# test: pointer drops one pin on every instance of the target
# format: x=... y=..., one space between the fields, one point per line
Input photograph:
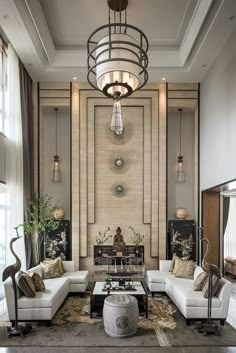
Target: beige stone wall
x=95 y=204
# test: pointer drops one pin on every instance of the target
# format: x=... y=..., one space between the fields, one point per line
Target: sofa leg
x=153 y=294
x=188 y=321
x=13 y=323
x=81 y=295
x=222 y=322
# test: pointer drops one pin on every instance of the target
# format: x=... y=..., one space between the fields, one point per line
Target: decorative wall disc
x=119 y=189
x=124 y=137
x=119 y=162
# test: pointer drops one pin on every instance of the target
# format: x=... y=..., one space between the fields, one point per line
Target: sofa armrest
x=165 y=265
x=224 y=294
x=69 y=266
x=10 y=299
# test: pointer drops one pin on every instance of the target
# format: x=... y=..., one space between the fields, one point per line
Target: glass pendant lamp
x=180 y=177
x=56 y=173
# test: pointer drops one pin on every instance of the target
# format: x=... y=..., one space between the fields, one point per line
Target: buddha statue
x=119 y=244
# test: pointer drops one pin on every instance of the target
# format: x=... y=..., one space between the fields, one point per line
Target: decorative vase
x=181 y=213
x=58 y=213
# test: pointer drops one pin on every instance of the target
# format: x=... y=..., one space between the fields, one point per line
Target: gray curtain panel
x=28 y=150
x=226 y=204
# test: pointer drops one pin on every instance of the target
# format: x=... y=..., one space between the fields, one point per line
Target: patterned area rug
x=77 y=309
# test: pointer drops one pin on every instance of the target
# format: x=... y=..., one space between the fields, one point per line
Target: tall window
x=3 y=216
x=3 y=189
x=4 y=125
x=230 y=232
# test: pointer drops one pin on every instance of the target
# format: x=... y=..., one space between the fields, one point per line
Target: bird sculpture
x=209 y=268
x=10 y=271
x=212 y=270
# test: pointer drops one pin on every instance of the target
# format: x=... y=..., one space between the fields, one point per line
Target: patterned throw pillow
x=200 y=281
x=215 y=286
x=172 y=265
x=51 y=268
x=60 y=263
x=184 y=269
x=38 y=281
x=25 y=284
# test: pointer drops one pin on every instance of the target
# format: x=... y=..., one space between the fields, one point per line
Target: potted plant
x=102 y=238
x=39 y=222
x=137 y=238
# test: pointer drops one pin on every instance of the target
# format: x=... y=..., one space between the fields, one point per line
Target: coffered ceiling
x=185 y=36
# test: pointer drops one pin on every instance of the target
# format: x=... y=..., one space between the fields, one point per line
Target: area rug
x=76 y=309
x=69 y=330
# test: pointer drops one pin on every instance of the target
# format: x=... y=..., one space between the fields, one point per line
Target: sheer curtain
x=230 y=232
x=14 y=159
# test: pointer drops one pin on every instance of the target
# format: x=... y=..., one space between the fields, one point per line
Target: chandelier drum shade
x=117 y=55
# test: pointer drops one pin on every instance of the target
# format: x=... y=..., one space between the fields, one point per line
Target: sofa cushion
x=231 y=260
x=26 y=285
x=51 y=268
x=77 y=277
x=38 y=281
x=172 y=265
x=215 y=286
x=185 y=295
x=184 y=269
x=200 y=281
x=54 y=287
x=154 y=276
x=37 y=269
x=197 y=271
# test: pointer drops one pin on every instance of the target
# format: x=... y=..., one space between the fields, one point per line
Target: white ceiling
x=185 y=36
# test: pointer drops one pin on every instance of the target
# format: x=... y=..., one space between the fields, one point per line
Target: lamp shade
x=114 y=73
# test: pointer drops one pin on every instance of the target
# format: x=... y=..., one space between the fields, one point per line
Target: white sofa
x=191 y=304
x=45 y=304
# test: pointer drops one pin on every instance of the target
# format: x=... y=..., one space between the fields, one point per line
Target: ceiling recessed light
x=163 y=78
x=204 y=65
x=74 y=78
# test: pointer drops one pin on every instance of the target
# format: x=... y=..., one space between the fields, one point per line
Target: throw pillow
x=25 y=284
x=215 y=286
x=200 y=281
x=60 y=263
x=51 y=268
x=38 y=281
x=184 y=269
x=172 y=265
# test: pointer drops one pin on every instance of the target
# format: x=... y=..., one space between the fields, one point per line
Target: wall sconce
x=56 y=173
x=180 y=177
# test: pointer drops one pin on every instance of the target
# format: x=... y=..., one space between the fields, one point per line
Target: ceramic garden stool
x=120 y=315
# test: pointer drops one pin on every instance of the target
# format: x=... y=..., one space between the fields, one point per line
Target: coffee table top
x=98 y=289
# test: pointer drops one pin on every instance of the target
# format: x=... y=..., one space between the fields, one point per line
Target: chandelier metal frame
x=138 y=50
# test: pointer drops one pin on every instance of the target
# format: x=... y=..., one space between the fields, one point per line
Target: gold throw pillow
x=200 y=281
x=172 y=265
x=184 y=269
x=51 y=269
x=38 y=281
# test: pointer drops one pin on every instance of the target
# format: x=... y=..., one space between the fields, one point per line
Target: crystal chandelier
x=117 y=59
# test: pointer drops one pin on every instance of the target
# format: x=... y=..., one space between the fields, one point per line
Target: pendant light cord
x=180 y=129
x=56 y=109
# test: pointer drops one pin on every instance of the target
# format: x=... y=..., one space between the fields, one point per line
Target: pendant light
x=56 y=174
x=117 y=59
x=180 y=159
